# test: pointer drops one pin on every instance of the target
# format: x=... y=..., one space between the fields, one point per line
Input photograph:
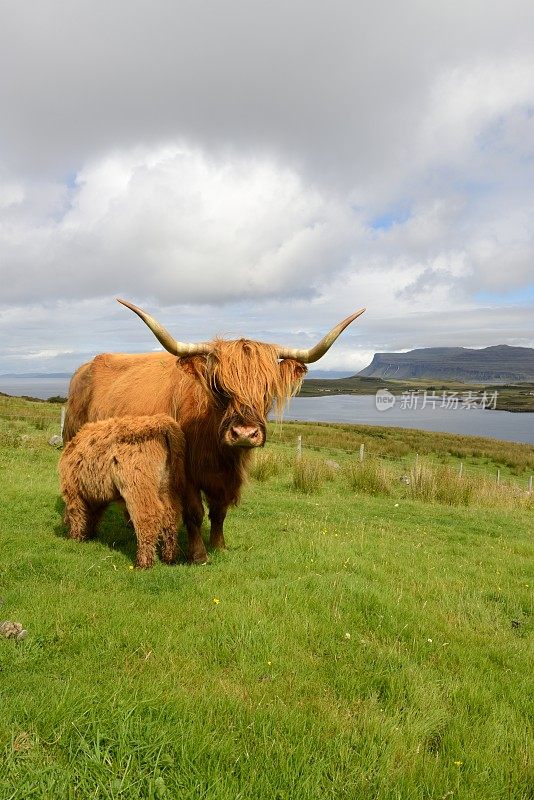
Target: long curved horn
x=163 y=335
x=309 y=356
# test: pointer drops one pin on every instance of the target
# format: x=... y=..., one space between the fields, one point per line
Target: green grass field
x=347 y=645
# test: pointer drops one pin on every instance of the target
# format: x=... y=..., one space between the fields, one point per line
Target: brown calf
x=139 y=460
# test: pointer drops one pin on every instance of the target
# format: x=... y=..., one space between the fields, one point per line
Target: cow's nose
x=245 y=434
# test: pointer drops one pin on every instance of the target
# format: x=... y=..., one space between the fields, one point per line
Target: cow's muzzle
x=245 y=436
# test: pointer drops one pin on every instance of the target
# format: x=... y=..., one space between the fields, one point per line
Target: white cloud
x=172 y=223
x=11 y=194
x=45 y=354
x=466 y=101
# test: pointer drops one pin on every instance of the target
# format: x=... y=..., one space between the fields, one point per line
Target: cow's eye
x=220 y=395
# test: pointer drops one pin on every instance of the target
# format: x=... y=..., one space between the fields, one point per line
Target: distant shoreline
x=53 y=399
x=35 y=388
x=515 y=398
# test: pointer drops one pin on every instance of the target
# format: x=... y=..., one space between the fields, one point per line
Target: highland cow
x=137 y=460
x=220 y=392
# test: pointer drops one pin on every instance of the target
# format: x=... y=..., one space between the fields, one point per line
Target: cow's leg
x=217 y=514
x=193 y=516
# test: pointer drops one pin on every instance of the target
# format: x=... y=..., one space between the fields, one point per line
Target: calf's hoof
x=169 y=559
x=143 y=564
x=78 y=537
x=169 y=555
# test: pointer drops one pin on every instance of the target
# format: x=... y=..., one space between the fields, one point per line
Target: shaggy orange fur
x=235 y=384
x=139 y=460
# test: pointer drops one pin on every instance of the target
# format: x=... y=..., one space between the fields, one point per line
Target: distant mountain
x=498 y=364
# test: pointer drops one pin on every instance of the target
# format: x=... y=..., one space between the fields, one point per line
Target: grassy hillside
x=347 y=645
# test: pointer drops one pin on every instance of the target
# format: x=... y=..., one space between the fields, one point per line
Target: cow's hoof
x=199 y=560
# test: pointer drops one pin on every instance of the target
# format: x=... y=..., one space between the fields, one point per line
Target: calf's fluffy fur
x=139 y=460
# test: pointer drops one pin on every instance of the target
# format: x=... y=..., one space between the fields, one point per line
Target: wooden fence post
x=362 y=452
x=530 y=485
x=416 y=460
x=62 y=424
x=498 y=476
x=299 y=447
x=460 y=471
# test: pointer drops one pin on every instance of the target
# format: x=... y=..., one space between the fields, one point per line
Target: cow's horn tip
x=125 y=303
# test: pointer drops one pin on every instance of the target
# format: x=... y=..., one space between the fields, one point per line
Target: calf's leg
x=147 y=530
x=146 y=512
x=81 y=518
x=170 y=523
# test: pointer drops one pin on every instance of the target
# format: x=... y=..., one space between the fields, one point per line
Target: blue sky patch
x=514 y=296
x=70 y=180
x=385 y=221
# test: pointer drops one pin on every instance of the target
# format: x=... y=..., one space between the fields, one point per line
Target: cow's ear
x=292 y=371
x=195 y=366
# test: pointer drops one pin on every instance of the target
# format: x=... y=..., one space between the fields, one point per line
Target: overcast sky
x=263 y=169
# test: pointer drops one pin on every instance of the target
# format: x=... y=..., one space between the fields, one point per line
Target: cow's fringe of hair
x=292 y=373
x=251 y=375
